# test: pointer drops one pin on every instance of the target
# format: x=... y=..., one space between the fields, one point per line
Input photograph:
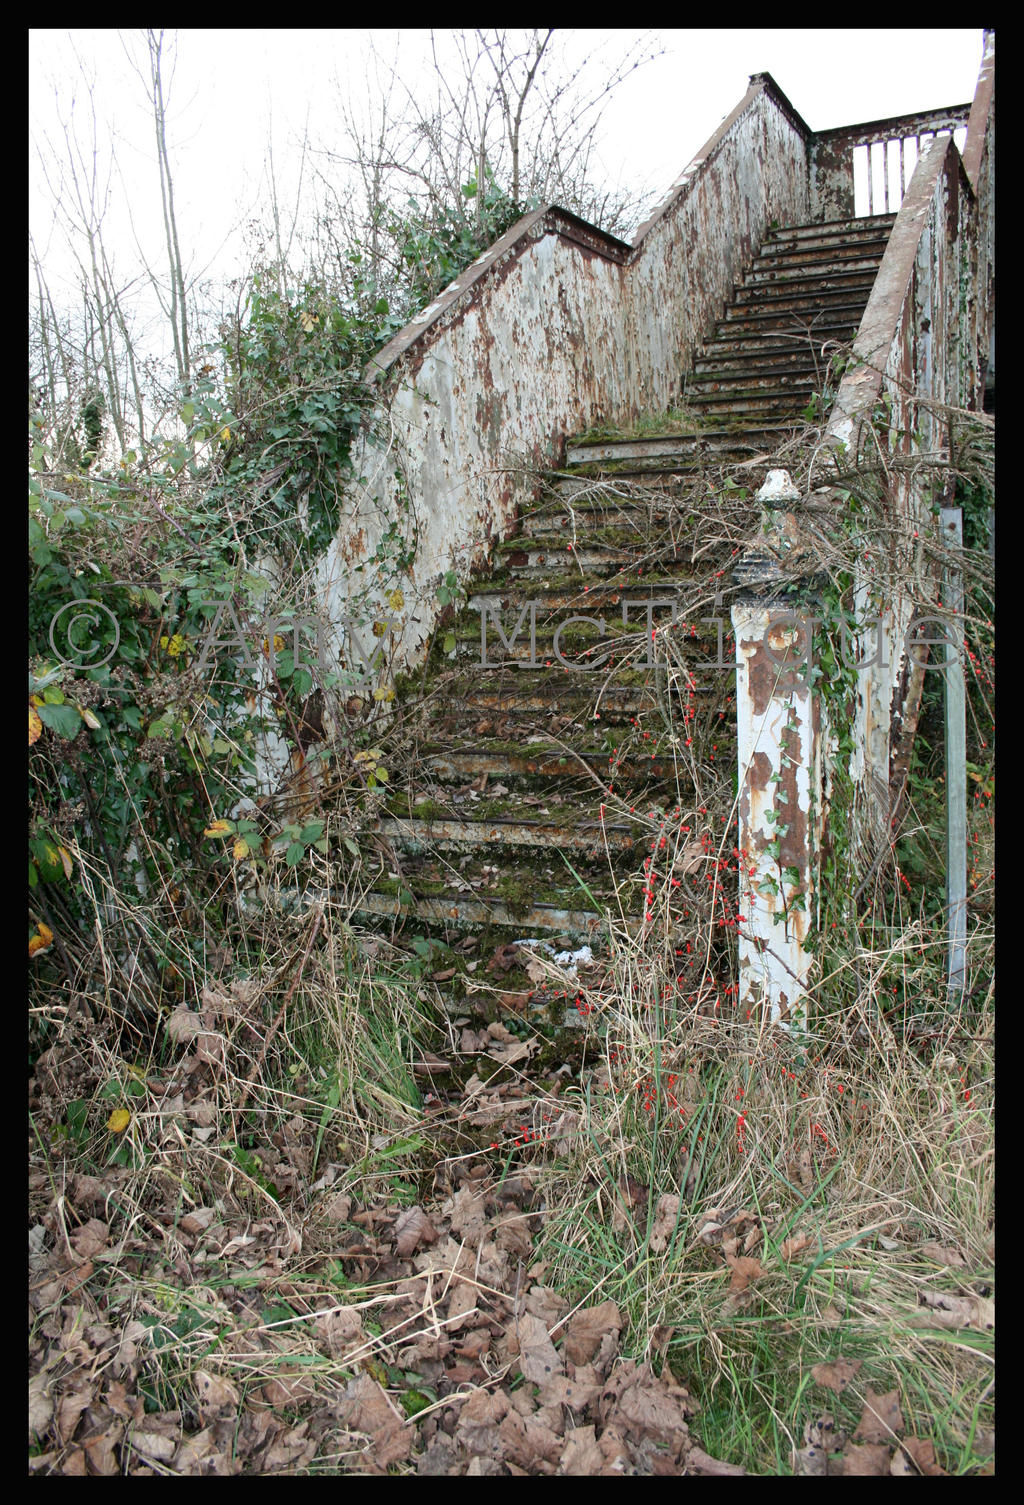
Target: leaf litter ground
x=188 y=1316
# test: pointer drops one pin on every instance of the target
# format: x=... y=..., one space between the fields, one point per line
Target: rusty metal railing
x=897 y=157
x=866 y=169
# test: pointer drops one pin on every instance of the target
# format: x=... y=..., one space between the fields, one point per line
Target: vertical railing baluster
x=871 y=195
x=956 y=755
x=885 y=178
x=903 y=172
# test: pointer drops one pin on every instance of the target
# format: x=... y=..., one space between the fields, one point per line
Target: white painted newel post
x=778 y=752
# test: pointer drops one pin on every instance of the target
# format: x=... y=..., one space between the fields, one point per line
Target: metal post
x=956 y=757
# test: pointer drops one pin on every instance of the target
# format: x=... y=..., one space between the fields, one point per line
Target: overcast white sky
x=231 y=88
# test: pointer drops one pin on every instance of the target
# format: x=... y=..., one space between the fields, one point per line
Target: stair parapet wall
x=922 y=345
x=980 y=165
x=557 y=327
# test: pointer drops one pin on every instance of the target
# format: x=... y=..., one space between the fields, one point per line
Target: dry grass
x=860 y=1179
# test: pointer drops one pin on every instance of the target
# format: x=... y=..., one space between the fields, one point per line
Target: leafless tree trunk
x=178 y=309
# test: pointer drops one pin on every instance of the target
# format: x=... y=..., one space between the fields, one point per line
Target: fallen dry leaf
x=744 y=1269
x=91 y=1238
x=538 y=1358
x=811 y=1462
x=942 y=1256
x=956 y=1311
x=586 y=1329
x=881 y=1417
x=546 y=1304
x=795 y=1245
x=866 y=1459
x=836 y=1374
x=699 y=1462
x=184 y=1025
x=288 y=1389
x=153 y=1444
x=412 y=1228
x=214 y=1393
x=915 y=1455
x=581 y=1454
x=40 y=1404
x=666 y=1221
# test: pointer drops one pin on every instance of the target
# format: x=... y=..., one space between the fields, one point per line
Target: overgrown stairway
x=538 y=790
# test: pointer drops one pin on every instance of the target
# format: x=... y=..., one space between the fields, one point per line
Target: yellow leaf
x=42 y=939
x=218 y=828
x=35 y=726
x=66 y=862
x=119 y=1120
x=396 y=600
x=379 y=629
x=384 y=692
x=381 y=774
x=225 y=435
x=173 y=646
x=90 y=718
x=240 y=850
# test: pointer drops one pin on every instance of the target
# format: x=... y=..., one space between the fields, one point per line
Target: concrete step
x=747 y=378
x=830 y=232
x=732 y=342
x=807 y=288
x=785 y=258
x=796 y=316
x=665 y=450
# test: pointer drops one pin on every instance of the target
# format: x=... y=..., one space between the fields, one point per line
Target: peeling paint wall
x=980 y=166
x=556 y=328
x=924 y=335
x=692 y=253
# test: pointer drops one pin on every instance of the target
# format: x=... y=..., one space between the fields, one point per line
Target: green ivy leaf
x=62 y=719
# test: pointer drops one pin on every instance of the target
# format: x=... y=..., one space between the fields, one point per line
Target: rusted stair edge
x=457 y=910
